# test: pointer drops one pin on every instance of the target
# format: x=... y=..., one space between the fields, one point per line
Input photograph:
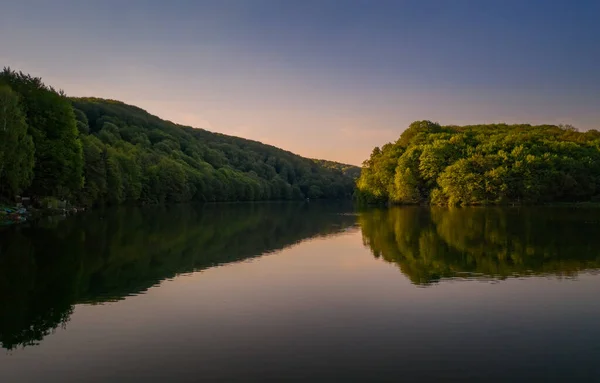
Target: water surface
x=303 y=292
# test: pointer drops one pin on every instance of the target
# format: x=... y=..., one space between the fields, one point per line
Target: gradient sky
x=321 y=78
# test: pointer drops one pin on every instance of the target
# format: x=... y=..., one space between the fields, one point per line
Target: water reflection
x=429 y=245
x=106 y=255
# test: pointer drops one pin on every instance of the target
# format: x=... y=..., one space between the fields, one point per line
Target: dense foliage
x=432 y=244
x=51 y=124
x=483 y=164
x=16 y=146
x=106 y=255
x=94 y=151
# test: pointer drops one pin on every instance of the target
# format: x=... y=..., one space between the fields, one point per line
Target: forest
x=92 y=151
x=483 y=165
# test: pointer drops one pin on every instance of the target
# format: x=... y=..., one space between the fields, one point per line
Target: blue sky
x=326 y=79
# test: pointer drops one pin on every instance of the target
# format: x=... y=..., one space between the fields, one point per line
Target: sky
x=321 y=78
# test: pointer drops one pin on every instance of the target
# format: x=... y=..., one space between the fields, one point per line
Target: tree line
x=483 y=164
x=93 y=151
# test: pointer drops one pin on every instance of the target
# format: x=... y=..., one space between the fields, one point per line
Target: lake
x=302 y=292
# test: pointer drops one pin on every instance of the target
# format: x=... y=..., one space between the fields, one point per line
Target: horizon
x=313 y=78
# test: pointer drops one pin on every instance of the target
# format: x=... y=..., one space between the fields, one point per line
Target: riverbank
x=586 y=204
x=11 y=215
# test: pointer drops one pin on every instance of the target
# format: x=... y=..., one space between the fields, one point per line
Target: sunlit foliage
x=483 y=164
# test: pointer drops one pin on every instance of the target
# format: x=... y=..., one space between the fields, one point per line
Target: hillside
x=483 y=164
x=97 y=151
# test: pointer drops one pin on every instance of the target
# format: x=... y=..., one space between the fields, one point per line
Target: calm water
x=307 y=292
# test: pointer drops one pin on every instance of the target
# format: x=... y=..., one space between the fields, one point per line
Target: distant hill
x=95 y=151
x=348 y=170
x=218 y=167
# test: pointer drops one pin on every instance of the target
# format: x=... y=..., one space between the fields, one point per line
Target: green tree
x=483 y=164
x=95 y=186
x=100 y=151
x=16 y=146
x=58 y=166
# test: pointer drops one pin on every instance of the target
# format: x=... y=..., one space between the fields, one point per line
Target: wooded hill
x=483 y=164
x=94 y=151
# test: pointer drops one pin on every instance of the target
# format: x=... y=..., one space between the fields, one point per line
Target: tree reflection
x=107 y=255
x=432 y=244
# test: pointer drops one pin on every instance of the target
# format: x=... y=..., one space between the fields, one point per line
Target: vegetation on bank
x=483 y=164
x=92 y=151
